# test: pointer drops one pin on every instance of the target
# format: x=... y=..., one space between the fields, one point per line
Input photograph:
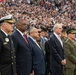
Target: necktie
x=60 y=41
x=25 y=38
x=37 y=44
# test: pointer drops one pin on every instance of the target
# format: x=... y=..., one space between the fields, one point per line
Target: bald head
x=20 y=22
x=21 y=25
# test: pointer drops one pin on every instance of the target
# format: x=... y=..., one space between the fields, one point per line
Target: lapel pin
x=7 y=39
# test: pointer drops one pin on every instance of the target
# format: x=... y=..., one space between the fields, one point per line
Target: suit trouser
x=56 y=71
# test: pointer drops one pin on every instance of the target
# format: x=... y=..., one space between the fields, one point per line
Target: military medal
x=6 y=39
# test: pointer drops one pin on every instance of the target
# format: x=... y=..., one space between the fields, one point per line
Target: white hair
x=57 y=25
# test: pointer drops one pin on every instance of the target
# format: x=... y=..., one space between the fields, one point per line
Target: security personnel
x=70 y=53
x=7 y=52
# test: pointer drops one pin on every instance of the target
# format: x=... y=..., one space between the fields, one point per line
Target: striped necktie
x=60 y=41
x=37 y=44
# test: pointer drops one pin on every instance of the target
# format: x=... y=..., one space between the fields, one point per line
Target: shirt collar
x=4 y=32
x=20 y=32
x=56 y=35
x=32 y=38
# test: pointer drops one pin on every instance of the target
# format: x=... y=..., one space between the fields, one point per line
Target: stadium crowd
x=42 y=13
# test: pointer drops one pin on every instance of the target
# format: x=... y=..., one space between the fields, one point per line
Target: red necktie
x=25 y=38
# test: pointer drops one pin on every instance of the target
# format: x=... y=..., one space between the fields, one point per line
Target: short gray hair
x=57 y=25
x=31 y=29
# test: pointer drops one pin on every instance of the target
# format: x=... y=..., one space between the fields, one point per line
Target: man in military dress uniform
x=7 y=52
x=70 y=53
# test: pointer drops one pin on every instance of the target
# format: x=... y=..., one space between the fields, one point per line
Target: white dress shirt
x=58 y=37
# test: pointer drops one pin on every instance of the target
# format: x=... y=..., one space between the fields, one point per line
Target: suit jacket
x=56 y=52
x=23 y=54
x=7 y=55
x=70 y=52
x=47 y=56
x=38 y=58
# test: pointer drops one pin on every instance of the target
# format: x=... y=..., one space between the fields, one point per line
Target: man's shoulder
x=1 y=32
x=14 y=33
x=47 y=42
x=52 y=36
x=68 y=41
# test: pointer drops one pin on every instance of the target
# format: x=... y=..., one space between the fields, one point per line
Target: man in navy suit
x=56 y=51
x=37 y=54
x=23 y=50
